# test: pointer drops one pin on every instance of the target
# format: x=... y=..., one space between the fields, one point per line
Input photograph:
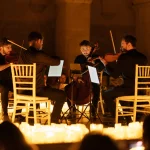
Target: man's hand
x=103 y=60
x=90 y=60
x=80 y=81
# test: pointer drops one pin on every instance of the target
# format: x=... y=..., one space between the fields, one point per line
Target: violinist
x=86 y=59
x=5 y=76
x=35 y=54
x=125 y=67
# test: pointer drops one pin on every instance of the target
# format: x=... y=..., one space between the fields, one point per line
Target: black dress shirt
x=125 y=66
x=6 y=73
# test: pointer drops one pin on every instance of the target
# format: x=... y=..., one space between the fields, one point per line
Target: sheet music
x=56 y=71
x=93 y=74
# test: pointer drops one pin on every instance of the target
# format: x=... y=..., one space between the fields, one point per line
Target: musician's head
x=35 y=39
x=128 y=42
x=5 y=46
x=85 y=47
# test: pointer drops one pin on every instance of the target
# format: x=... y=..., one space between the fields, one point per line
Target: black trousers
x=5 y=87
x=56 y=95
x=95 y=99
x=110 y=95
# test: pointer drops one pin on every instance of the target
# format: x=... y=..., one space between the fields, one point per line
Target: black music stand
x=94 y=79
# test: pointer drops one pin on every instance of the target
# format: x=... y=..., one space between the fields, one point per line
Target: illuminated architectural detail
x=72 y=26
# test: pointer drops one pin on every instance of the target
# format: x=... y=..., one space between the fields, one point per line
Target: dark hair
x=34 y=36
x=4 y=41
x=85 y=43
x=12 y=138
x=130 y=39
x=94 y=140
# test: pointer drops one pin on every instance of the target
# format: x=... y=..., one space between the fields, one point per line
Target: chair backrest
x=142 y=80
x=24 y=78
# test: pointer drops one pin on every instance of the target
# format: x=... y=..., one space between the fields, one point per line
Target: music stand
x=75 y=69
x=56 y=71
x=94 y=79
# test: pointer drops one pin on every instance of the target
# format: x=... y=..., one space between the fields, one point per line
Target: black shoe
x=122 y=120
x=31 y=121
x=128 y=118
x=20 y=118
x=93 y=118
x=55 y=121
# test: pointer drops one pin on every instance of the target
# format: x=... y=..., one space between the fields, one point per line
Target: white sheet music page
x=56 y=71
x=93 y=74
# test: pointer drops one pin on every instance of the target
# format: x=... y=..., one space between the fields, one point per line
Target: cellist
x=85 y=59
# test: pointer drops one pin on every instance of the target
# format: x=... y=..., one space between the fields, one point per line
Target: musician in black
x=5 y=76
x=125 y=67
x=84 y=60
x=34 y=54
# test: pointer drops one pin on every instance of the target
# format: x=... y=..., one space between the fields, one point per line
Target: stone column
x=72 y=26
x=142 y=9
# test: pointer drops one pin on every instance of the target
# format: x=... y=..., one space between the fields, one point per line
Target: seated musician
x=5 y=76
x=56 y=82
x=81 y=87
x=125 y=67
x=35 y=54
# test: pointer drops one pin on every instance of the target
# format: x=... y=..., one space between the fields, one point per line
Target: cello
x=79 y=89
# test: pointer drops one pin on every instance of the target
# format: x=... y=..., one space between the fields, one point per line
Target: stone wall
x=117 y=16
x=19 y=17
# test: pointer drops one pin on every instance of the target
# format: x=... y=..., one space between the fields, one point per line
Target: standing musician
x=5 y=76
x=125 y=67
x=86 y=59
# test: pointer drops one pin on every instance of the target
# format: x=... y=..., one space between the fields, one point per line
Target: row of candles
x=62 y=133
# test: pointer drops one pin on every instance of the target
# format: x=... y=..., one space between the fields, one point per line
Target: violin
x=109 y=57
x=12 y=57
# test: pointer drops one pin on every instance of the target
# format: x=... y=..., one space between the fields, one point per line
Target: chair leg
x=134 y=110
x=14 y=112
x=27 y=112
x=34 y=113
x=101 y=103
x=49 y=117
x=116 y=118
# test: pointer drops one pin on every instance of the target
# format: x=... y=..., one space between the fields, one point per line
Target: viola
x=109 y=57
x=112 y=57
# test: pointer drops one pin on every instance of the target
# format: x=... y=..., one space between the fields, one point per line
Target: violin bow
x=112 y=40
x=16 y=44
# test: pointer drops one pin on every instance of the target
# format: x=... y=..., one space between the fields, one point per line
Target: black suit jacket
x=42 y=60
x=125 y=66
